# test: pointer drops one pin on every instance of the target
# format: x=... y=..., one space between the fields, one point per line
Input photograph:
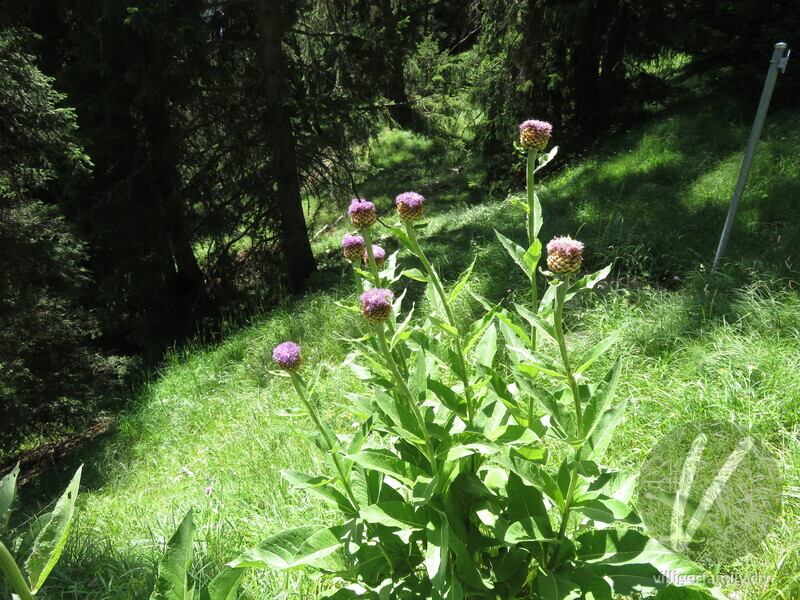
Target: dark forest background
x=157 y=158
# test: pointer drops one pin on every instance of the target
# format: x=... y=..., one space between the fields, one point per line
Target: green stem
x=373 y=266
x=437 y=284
x=529 y=172
x=562 y=530
x=10 y=569
x=299 y=386
x=412 y=402
x=357 y=277
x=561 y=295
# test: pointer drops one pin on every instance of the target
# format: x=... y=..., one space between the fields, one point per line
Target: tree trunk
x=272 y=25
x=395 y=79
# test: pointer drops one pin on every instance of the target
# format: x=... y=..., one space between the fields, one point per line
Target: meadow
x=213 y=427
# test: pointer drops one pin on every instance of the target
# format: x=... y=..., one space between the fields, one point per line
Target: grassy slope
x=207 y=432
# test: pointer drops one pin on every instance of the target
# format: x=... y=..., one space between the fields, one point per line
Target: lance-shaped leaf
x=599 y=421
x=541 y=324
x=8 y=490
x=487 y=347
x=516 y=252
x=595 y=352
x=437 y=552
x=462 y=281
x=49 y=544
x=321 y=486
x=225 y=585
x=309 y=546
x=401 y=515
x=173 y=581
x=387 y=462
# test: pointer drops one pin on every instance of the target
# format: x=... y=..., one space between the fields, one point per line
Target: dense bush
x=48 y=366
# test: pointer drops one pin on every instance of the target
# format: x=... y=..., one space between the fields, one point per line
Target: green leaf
x=387 y=462
x=516 y=252
x=415 y=274
x=595 y=352
x=533 y=254
x=8 y=490
x=542 y=362
x=588 y=282
x=321 y=486
x=478 y=327
x=598 y=425
x=462 y=281
x=50 y=542
x=225 y=585
x=546 y=158
x=535 y=476
x=308 y=546
x=487 y=347
x=437 y=552
x=395 y=514
x=606 y=510
x=554 y=586
x=628 y=546
x=173 y=581
x=541 y=324
x=526 y=512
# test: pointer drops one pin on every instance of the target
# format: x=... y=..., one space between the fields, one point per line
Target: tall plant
x=446 y=490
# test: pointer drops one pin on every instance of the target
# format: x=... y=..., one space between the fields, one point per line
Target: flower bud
x=362 y=213
x=287 y=355
x=534 y=135
x=409 y=206
x=376 y=305
x=353 y=246
x=379 y=254
x=564 y=255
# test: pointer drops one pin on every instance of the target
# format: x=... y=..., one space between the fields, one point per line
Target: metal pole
x=779 y=59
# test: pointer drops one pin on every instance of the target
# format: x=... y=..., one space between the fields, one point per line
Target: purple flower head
x=537 y=126
x=565 y=246
x=362 y=213
x=376 y=305
x=564 y=255
x=534 y=135
x=353 y=246
x=379 y=254
x=287 y=355
x=409 y=206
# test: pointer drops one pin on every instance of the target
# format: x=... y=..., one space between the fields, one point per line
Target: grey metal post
x=779 y=59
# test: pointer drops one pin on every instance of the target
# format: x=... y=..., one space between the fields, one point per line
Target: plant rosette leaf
x=8 y=491
x=173 y=582
x=308 y=546
x=49 y=544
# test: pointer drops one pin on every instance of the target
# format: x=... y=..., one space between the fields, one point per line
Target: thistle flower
x=379 y=254
x=409 y=206
x=376 y=305
x=353 y=246
x=287 y=355
x=362 y=213
x=564 y=255
x=534 y=135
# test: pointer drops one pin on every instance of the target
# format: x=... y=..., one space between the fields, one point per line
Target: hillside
x=213 y=428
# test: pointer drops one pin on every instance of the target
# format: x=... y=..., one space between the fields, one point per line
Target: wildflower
x=409 y=206
x=564 y=255
x=362 y=213
x=376 y=305
x=379 y=254
x=534 y=135
x=353 y=246
x=287 y=355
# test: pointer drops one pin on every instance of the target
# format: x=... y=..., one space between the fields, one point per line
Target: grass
x=210 y=432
